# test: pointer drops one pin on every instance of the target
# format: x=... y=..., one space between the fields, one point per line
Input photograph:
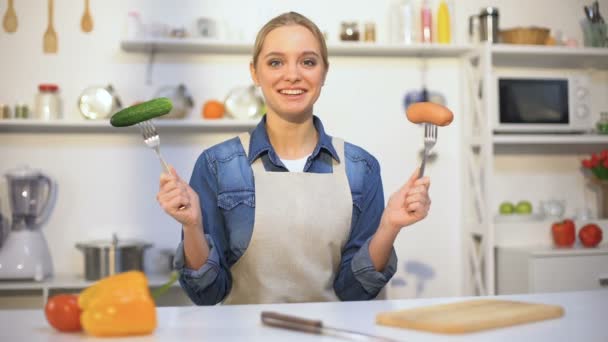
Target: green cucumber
x=141 y=112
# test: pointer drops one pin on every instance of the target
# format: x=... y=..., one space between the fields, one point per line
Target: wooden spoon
x=10 y=18
x=86 y=23
x=50 y=37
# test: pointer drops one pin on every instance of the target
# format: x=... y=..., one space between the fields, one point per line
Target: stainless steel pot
x=104 y=258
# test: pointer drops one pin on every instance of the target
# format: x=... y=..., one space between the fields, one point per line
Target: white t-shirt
x=295 y=165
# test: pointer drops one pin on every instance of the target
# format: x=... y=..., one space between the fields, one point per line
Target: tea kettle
x=181 y=99
x=98 y=102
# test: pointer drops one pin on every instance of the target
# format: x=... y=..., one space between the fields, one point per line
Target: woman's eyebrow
x=276 y=53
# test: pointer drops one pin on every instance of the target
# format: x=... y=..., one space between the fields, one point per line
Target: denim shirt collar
x=260 y=143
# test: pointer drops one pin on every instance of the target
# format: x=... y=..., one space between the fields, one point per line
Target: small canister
x=22 y=111
x=349 y=31
x=369 y=34
x=5 y=111
x=488 y=25
x=47 y=103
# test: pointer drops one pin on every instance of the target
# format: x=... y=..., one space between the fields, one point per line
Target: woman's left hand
x=409 y=204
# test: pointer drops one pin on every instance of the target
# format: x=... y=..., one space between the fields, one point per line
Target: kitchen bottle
x=443 y=23
x=427 y=22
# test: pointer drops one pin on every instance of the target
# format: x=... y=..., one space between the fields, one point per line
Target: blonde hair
x=286 y=19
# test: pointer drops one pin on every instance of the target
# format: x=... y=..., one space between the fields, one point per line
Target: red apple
x=564 y=233
x=590 y=235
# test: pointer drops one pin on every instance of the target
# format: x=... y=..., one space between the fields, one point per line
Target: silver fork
x=430 y=138
x=152 y=140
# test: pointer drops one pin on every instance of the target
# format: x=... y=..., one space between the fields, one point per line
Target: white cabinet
x=495 y=164
x=546 y=269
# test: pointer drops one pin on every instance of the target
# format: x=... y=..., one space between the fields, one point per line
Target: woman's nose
x=292 y=73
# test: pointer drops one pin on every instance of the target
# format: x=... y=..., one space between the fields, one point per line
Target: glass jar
x=370 y=32
x=602 y=124
x=350 y=31
x=48 y=103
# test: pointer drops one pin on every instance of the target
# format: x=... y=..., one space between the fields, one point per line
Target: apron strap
x=245 y=138
x=245 y=141
x=339 y=146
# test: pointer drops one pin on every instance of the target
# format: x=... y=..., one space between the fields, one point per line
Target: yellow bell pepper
x=119 y=305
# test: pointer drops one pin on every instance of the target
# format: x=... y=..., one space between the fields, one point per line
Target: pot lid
x=114 y=243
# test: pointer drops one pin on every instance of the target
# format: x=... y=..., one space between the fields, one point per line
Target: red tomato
x=564 y=233
x=62 y=312
x=590 y=235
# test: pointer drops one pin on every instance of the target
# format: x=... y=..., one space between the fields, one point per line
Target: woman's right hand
x=179 y=200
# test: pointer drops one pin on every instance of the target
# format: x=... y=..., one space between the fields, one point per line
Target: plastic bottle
x=407 y=19
x=394 y=23
x=134 y=25
x=427 y=22
x=443 y=24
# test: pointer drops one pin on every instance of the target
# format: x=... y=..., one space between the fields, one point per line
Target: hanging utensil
x=50 y=36
x=86 y=23
x=10 y=18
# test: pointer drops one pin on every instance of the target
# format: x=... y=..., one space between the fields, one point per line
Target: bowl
x=525 y=35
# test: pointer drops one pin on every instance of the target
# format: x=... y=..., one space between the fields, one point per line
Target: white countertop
x=585 y=319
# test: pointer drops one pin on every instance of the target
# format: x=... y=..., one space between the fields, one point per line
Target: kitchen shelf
x=537 y=233
x=70 y=282
x=550 y=251
x=353 y=49
x=550 y=139
x=103 y=126
x=549 y=56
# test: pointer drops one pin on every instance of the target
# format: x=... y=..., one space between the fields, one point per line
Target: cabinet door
x=569 y=273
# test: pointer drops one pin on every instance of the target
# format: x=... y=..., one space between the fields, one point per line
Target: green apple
x=523 y=207
x=506 y=208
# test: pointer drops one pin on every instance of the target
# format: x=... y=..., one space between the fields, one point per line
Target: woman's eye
x=274 y=63
x=310 y=62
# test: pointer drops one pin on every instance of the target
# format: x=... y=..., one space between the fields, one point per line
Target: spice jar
x=5 y=111
x=48 y=103
x=22 y=111
x=602 y=124
x=350 y=31
x=369 y=35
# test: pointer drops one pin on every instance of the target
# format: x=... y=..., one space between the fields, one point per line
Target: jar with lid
x=370 y=32
x=602 y=124
x=349 y=31
x=48 y=103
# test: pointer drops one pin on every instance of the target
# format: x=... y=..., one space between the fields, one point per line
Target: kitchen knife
x=278 y=320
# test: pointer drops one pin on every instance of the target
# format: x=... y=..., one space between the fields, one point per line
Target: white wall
x=107 y=182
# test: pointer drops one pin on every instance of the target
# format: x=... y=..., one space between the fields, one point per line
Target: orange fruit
x=213 y=109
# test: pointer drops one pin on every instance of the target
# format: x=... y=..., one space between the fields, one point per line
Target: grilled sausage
x=428 y=112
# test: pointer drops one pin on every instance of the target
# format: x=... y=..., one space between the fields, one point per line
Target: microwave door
x=532 y=105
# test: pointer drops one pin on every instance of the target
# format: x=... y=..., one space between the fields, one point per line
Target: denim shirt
x=223 y=179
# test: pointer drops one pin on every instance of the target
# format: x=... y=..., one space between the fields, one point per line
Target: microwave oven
x=529 y=103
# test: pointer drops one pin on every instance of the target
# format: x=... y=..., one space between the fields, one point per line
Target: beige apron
x=302 y=221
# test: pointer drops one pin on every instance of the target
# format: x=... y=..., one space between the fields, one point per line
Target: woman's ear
x=254 y=75
x=325 y=75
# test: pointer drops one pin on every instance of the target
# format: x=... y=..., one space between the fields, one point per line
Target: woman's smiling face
x=290 y=71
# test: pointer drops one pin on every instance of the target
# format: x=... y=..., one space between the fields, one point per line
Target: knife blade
x=279 y=320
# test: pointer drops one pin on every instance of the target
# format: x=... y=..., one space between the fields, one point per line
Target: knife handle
x=278 y=320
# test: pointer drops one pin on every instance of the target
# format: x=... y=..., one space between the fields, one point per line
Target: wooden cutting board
x=469 y=316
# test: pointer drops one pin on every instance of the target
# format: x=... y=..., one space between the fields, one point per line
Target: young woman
x=288 y=213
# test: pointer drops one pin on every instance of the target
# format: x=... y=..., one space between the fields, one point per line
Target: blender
x=24 y=253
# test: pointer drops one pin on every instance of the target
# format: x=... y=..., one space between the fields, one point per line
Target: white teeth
x=292 y=91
